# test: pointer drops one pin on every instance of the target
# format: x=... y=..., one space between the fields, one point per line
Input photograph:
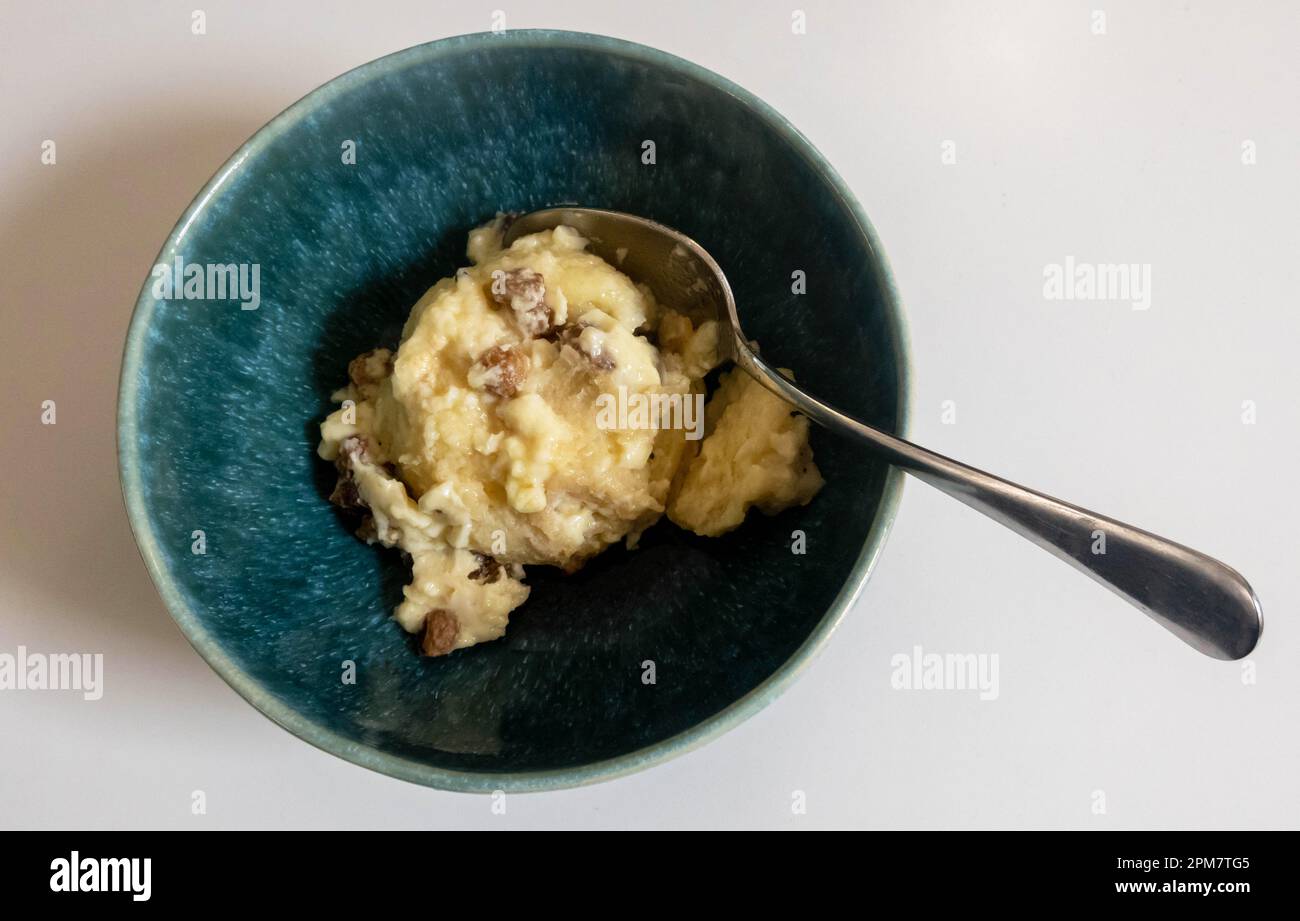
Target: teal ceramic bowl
x=219 y=406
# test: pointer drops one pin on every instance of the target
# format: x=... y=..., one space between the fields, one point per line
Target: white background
x=1122 y=147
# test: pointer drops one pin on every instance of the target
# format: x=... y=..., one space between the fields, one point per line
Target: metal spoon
x=1200 y=600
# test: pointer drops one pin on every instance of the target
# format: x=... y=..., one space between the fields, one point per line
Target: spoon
x=1201 y=601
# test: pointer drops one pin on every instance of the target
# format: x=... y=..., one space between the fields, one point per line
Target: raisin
x=367 y=370
x=488 y=571
x=345 y=494
x=440 y=631
x=518 y=289
x=536 y=321
x=572 y=335
x=600 y=360
x=499 y=370
x=524 y=292
x=353 y=448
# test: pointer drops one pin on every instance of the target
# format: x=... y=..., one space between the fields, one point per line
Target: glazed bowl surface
x=641 y=655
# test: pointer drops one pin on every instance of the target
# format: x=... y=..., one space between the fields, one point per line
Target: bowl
x=642 y=655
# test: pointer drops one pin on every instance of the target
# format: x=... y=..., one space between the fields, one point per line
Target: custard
x=540 y=407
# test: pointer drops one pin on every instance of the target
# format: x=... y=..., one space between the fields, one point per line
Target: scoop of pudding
x=540 y=407
x=756 y=455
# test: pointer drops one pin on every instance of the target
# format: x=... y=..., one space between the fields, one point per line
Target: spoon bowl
x=1202 y=601
x=650 y=253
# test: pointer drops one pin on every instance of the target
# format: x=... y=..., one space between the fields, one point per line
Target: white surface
x=1124 y=147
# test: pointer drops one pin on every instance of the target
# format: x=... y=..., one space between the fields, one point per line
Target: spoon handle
x=1203 y=602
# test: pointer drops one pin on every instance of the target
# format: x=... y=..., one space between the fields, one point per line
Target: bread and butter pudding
x=540 y=407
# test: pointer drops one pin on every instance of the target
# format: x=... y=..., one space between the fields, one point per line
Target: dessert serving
x=540 y=407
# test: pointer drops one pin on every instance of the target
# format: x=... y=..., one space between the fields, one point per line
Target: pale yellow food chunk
x=540 y=407
x=755 y=455
x=533 y=469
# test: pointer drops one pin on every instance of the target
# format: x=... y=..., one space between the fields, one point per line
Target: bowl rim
x=128 y=443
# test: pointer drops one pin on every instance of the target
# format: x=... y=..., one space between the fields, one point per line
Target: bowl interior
x=220 y=406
